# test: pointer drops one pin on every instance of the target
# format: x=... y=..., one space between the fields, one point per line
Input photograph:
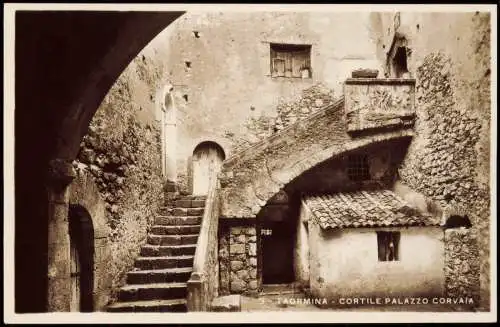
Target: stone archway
x=56 y=97
x=250 y=179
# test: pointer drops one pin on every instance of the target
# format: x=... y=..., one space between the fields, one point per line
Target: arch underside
x=65 y=63
x=247 y=194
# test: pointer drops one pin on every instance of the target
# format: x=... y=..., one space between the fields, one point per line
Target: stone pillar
x=60 y=175
x=243 y=260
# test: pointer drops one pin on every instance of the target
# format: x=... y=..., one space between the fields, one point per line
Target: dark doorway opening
x=277 y=234
x=81 y=234
x=400 y=62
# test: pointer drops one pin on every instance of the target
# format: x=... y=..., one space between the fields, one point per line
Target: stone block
x=235 y=231
x=238 y=286
x=253 y=262
x=242 y=274
x=241 y=239
x=252 y=285
x=228 y=303
x=237 y=248
x=236 y=265
x=251 y=231
x=252 y=249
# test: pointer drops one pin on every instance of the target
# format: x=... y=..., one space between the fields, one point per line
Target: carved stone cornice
x=60 y=173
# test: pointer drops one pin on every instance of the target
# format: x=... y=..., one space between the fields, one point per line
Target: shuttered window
x=358 y=168
x=290 y=60
x=388 y=246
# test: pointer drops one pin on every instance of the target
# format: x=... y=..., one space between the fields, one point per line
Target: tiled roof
x=374 y=208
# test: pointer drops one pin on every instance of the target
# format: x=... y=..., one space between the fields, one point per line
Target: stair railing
x=203 y=283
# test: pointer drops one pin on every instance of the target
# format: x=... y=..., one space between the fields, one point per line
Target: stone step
x=175 y=229
x=172 y=239
x=169 y=211
x=147 y=263
x=159 y=275
x=193 y=197
x=167 y=250
x=188 y=203
x=178 y=220
x=186 y=211
x=155 y=291
x=175 y=305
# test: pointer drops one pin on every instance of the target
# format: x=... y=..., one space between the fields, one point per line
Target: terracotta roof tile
x=365 y=208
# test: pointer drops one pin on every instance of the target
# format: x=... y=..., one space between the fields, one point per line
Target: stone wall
x=461 y=264
x=449 y=158
x=310 y=100
x=288 y=112
x=238 y=260
x=122 y=153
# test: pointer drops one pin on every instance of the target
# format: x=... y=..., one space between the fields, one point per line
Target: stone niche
x=372 y=103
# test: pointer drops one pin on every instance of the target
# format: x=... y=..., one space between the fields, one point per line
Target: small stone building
x=368 y=243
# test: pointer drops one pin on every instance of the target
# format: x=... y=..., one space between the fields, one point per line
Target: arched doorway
x=81 y=234
x=207 y=161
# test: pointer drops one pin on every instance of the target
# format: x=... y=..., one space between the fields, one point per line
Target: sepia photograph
x=249 y=163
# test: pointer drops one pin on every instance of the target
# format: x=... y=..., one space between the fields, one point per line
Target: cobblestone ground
x=296 y=302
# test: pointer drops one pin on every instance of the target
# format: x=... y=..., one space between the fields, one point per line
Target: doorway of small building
x=277 y=240
x=81 y=234
x=207 y=161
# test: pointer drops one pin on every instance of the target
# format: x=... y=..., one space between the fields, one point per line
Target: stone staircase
x=158 y=282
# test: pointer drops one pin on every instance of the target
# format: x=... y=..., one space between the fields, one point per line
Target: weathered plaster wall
x=122 y=153
x=462 y=263
x=221 y=73
x=449 y=159
x=345 y=263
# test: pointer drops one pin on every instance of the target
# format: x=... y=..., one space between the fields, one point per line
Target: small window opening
x=290 y=60
x=388 y=246
x=185 y=96
x=358 y=168
x=456 y=221
x=188 y=64
x=196 y=34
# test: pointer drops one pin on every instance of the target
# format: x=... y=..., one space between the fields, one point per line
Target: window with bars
x=388 y=246
x=290 y=60
x=358 y=168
